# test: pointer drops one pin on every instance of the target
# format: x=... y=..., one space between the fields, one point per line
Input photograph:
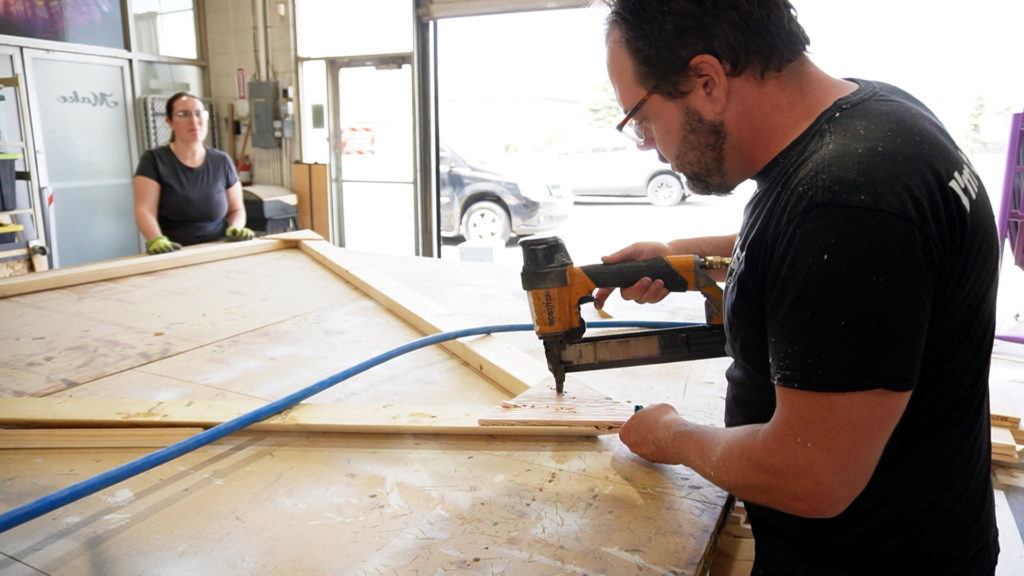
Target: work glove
x=236 y=234
x=161 y=245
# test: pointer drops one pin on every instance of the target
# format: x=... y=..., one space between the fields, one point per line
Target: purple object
x=1011 y=217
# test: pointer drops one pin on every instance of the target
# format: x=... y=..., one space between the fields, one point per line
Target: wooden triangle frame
x=533 y=407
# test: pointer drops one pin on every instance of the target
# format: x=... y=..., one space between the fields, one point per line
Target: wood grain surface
x=312 y=496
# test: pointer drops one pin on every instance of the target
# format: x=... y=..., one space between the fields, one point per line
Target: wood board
x=542 y=406
x=290 y=504
x=244 y=329
x=550 y=419
x=20 y=439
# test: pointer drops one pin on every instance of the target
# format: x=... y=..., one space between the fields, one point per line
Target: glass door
x=373 y=146
x=85 y=142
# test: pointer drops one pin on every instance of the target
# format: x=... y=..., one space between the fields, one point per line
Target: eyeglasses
x=192 y=114
x=631 y=128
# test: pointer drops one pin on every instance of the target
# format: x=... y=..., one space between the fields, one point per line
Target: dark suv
x=480 y=204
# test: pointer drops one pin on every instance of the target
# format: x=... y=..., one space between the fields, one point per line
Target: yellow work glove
x=236 y=234
x=161 y=245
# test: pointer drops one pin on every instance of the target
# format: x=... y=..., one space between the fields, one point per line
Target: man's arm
x=811 y=459
x=704 y=246
x=648 y=291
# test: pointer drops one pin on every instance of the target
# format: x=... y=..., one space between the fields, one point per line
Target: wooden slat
x=34 y=438
x=339 y=418
x=1004 y=416
x=1018 y=435
x=318 y=199
x=1003 y=442
x=578 y=405
x=131 y=265
x=300 y=185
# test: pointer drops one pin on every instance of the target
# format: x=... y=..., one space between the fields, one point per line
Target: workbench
x=388 y=472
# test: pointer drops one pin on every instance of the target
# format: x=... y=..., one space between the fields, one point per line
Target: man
x=859 y=303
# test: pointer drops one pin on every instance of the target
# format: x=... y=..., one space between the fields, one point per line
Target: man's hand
x=648 y=433
x=645 y=291
x=236 y=234
x=161 y=245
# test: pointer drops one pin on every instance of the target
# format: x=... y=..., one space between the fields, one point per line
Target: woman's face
x=188 y=120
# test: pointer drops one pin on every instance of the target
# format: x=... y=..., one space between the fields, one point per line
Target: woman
x=187 y=192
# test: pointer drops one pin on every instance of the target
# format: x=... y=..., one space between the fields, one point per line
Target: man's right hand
x=161 y=245
x=645 y=291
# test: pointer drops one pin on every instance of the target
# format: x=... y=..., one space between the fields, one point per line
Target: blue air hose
x=20 y=515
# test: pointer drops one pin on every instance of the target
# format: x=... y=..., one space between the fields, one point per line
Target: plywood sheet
x=294 y=504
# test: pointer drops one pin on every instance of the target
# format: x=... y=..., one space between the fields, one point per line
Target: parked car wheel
x=665 y=190
x=486 y=220
x=476 y=202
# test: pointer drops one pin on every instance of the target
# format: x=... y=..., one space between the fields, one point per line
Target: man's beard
x=703 y=161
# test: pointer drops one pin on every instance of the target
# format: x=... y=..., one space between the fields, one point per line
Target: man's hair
x=662 y=36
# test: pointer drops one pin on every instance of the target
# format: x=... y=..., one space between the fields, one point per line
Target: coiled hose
x=20 y=515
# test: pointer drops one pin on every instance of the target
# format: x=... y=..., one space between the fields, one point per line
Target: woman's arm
x=236 y=207
x=147 y=201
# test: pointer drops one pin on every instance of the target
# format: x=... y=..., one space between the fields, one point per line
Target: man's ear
x=707 y=76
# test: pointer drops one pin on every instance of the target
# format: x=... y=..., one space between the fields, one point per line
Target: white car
x=611 y=165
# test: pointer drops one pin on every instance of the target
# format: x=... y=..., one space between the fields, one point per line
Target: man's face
x=693 y=144
x=699 y=152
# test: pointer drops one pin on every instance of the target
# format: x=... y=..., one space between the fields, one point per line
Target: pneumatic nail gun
x=556 y=290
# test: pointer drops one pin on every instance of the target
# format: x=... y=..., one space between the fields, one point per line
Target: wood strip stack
x=1007 y=436
x=734 y=553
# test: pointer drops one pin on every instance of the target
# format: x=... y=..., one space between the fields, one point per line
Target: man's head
x=661 y=52
x=662 y=36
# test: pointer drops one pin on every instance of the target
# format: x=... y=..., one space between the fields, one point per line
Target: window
x=165 y=27
x=353 y=27
x=165 y=78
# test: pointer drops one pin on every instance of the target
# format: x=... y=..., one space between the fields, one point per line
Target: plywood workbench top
x=257 y=324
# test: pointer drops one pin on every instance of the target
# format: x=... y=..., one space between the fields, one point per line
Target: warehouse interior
x=250 y=407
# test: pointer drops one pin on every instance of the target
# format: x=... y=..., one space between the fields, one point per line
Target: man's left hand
x=649 y=433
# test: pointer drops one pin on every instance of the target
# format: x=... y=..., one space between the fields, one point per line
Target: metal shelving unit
x=17 y=213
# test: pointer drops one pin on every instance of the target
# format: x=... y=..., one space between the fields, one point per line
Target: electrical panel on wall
x=263 y=97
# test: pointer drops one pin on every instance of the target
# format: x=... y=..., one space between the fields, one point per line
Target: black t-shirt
x=193 y=201
x=867 y=259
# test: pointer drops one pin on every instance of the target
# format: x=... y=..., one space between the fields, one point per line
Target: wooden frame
x=535 y=410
